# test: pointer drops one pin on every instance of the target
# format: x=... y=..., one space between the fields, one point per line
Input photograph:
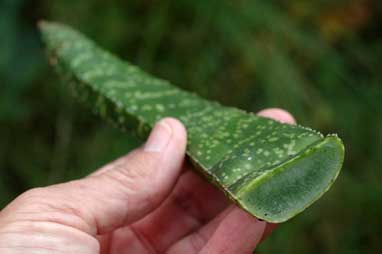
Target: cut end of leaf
x=289 y=188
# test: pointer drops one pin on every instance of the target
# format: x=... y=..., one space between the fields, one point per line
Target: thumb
x=119 y=193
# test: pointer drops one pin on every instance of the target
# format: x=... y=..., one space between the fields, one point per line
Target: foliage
x=319 y=59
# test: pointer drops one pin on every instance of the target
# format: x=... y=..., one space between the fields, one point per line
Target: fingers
x=227 y=232
x=233 y=231
x=194 y=242
x=148 y=174
x=238 y=232
x=278 y=115
x=192 y=203
x=122 y=192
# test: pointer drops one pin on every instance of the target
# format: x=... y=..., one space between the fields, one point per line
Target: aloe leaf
x=272 y=170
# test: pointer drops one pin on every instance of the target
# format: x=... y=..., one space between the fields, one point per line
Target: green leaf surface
x=272 y=170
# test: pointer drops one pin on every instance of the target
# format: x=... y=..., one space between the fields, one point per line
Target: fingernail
x=159 y=137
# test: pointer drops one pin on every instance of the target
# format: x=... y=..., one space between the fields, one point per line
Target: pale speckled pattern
x=233 y=147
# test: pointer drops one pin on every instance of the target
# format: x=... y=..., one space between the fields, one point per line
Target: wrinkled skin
x=148 y=201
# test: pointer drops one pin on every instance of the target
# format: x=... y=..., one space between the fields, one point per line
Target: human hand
x=146 y=202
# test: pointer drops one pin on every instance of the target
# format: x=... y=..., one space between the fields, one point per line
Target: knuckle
x=31 y=196
x=136 y=170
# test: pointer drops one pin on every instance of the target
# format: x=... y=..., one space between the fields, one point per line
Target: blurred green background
x=321 y=60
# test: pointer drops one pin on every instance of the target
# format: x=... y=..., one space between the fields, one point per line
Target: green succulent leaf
x=272 y=170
